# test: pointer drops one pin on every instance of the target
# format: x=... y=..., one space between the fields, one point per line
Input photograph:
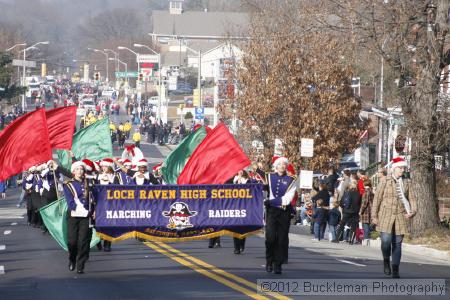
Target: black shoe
x=269 y=267
x=237 y=251
x=395 y=273
x=217 y=245
x=210 y=246
x=242 y=249
x=277 y=269
x=387 y=266
x=80 y=271
x=71 y=266
x=99 y=246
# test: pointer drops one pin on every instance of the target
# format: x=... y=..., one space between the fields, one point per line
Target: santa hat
x=280 y=160
x=76 y=165
x=274 y=159
x=398 y=162
x=89 y=165
x=107 y=162
x=142 y=163
x=121 y=160
x=157 y=167
x=290 y=168
x=126 y=162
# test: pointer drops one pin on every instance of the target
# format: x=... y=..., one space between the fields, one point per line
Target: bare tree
x=294 y=84
x=412 y=37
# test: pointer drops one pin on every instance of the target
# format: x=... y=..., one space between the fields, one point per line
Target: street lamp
x=199 y=80
x=116 y=57
x=160 y=78
x=16 y=45
x=135 y=53
x=24 y=68
x=107 y=61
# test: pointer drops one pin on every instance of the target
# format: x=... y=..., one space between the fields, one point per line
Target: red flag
x=215 y=160
x=24 y=143
x=61 y=125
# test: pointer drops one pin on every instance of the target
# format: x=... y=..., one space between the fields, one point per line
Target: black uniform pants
x=239 y=244
x=277 y=235
x=78 y=240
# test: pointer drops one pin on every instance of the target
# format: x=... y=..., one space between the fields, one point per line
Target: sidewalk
x=299 y=236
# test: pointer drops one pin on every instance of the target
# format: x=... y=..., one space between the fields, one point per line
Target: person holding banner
x=105 y=177
x=141 y=176
x=122 y=177
x=394 y=205
x=278 y=214
x=79 y=233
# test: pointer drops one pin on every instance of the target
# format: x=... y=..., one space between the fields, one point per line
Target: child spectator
x=334 y=218
x=320 y=219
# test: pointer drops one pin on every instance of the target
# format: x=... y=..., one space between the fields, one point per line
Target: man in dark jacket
x=331 y=179
x=351 y=203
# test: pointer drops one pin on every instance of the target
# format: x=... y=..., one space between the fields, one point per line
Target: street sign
x=131 y=74
x=398 y=121
x=147 y=58
x=307 y=148
x=199 y=113
x=151 y=66
x=306 y=179
x=26 y=63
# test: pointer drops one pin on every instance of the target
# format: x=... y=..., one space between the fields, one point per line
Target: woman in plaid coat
x=393 y=207
x=365 y=210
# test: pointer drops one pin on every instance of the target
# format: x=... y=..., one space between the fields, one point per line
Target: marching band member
x=278 y=214
x=157 y=173
x=27 y=185
x=141 y=176
x=77 y=194
x=105 y=177
x=122 y=177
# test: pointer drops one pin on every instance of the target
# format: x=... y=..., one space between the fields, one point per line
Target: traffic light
x=141 y=77
x=97 y=76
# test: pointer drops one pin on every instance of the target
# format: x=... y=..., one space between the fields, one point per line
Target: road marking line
x=7 y=232
x=217 y=270
x=2 y=270
x=2 y=247
x=13 y=224
x=204 y=272
x=350 y=262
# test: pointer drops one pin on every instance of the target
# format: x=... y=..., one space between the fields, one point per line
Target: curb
x=418 y=250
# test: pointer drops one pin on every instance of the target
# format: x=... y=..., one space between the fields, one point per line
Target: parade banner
x=178 y=212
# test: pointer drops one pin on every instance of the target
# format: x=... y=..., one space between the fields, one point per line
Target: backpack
x=347 y=201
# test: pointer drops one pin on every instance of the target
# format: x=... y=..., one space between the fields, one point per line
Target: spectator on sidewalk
x=322 y=194
x=365 y=210
x=331 y=180
x=350 y=204
x=334 y=217
x=320 y=220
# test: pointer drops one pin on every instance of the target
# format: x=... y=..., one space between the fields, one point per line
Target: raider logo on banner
x=178 y=212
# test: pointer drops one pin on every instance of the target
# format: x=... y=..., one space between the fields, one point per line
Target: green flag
x=175 y=162
x=54 y=216
x=92 y=142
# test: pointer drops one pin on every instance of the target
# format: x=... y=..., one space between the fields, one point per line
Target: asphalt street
x=33 y=266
